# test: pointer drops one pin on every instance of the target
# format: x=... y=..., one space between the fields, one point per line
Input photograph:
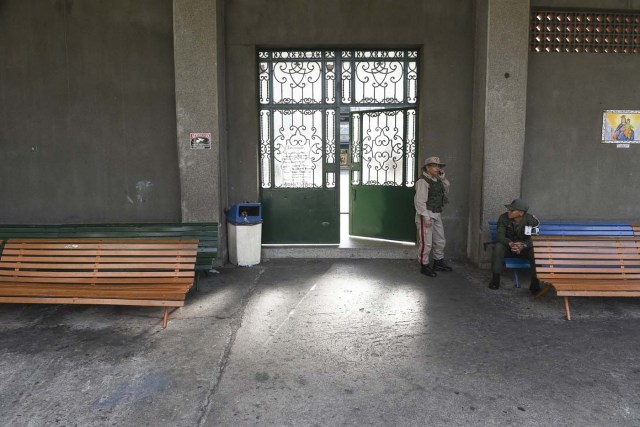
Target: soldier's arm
x=501 y=232
x=420 y=199
x=446 y=184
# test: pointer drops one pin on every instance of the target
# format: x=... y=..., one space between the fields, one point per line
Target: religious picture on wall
x=620 y=126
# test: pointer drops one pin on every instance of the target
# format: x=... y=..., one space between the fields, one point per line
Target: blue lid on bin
x=245 y=213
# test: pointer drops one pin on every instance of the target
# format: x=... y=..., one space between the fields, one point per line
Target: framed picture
x=620 y=127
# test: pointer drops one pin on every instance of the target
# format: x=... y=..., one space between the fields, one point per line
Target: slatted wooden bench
x=589 y=266
x=205 y=232
x=551 y=228
x=98 y=271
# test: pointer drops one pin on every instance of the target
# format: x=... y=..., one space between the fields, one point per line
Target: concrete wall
x=500 y=89
x=568 y=174
x=441 y=29
x=199 y=63
x=475 y=226
x=87 y=112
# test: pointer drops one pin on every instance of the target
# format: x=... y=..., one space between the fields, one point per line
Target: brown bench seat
x=98 y=271
x=589 y=266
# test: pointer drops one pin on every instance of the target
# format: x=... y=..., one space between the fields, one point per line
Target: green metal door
x=302 y=205
x=383 y=170
x=298 y=145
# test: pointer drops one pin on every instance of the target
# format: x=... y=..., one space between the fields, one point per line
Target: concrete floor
x=327 y=343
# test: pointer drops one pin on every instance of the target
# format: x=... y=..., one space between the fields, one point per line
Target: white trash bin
x=245 y=244
x=244 y=234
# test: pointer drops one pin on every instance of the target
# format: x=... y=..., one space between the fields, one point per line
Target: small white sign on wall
x=200 y=141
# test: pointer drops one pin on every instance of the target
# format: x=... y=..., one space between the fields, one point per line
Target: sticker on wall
x=200 y=141
x=620 y=127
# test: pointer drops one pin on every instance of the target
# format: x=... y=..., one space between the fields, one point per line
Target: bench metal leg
x=515 y=276
x=197 y=279
x=165 y=318
x=566 y=308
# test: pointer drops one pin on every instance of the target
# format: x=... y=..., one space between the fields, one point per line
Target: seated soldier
x=512 y=241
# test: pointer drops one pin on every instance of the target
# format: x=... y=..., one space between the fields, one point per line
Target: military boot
x=427 y=270
x=495 y=281
x=534 y=287
x=440 y=265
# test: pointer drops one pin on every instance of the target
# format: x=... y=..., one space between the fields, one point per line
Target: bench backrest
x=550 y=228
x=587 y=258
x=69 y=260
x=205 y=232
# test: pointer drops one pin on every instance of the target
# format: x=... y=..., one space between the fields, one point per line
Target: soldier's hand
x=428 y=222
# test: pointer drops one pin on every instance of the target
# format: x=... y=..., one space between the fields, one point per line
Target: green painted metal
x=300 y=215
x=382 y=212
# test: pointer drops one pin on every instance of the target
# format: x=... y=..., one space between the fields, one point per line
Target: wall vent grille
x=569 y=31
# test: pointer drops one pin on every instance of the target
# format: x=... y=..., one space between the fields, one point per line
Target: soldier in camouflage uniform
x=431 y=196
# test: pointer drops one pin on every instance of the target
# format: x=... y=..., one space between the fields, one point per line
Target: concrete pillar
x=198 y=53
x=499 y=112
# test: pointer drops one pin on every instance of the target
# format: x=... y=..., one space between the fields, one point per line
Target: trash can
x=244 y=231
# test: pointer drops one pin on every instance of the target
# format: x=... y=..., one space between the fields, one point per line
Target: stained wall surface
x=87 y=112
x=568 y=174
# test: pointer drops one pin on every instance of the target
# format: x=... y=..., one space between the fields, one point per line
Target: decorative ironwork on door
x=300 y=95
x=384 y=147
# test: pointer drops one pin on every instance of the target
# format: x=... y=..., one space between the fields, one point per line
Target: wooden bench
x=205 y=232
x=551 y=228
x=98 y=271
x=589 y=266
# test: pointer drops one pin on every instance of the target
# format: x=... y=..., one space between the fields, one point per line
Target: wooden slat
x=592 y=242
x=115 y=259
x=566 y=270
x=87 y=245
x=582 y=262
x=101 y=294
x=596 y=287
x=585 y=250
x=598 y=294
x=93 y=301
x=133 y=265
x=96 y=280
x=589 y=276
x=45 y=288
x=69 y=275
x=583 y=238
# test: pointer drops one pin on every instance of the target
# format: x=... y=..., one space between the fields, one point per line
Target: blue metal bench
x=550 y=228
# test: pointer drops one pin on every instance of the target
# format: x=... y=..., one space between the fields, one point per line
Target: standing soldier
x=431 y=195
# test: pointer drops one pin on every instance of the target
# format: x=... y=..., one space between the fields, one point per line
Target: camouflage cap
x=518 y=205
x=433 y=160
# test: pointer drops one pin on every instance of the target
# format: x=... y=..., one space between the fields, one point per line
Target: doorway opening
x=337 y=146
x=347 y=240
